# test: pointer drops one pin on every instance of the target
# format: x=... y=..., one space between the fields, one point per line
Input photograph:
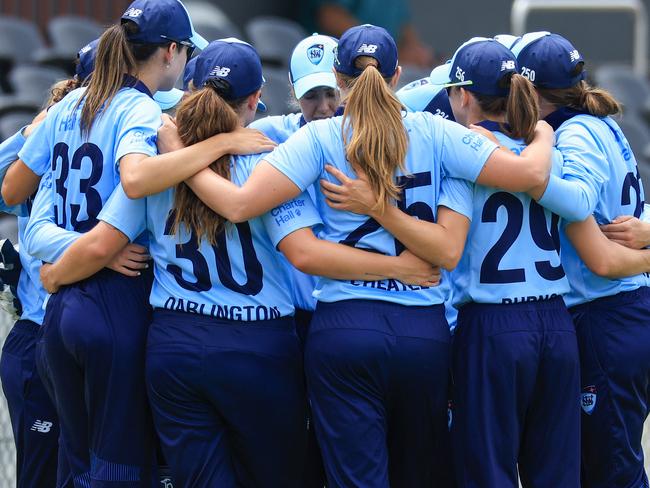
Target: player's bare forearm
x=90 y=253
x=439 y=243
x=265 y=189
x=337 y=261
x=19 y=183
x=603 y=256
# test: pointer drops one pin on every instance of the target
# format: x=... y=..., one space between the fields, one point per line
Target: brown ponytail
x=61 y=89
x=116 y=56
x=521 y=107
x=522 y=110
x=114 y=59
x=201 y=115
x=596 y=101
x=373 y=132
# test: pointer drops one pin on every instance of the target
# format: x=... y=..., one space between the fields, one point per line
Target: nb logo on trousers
x=41 y=426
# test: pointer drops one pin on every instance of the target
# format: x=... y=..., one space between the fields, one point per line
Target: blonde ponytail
x=375 y=139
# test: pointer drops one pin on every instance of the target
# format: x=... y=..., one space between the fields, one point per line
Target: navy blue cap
x=549 y=60
x=162 y=20
x=366 y=40
x=480 y=64
x=188 y=74
x=233 y=61
x=86 y=60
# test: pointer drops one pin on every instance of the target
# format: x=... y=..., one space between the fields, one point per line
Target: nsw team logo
x=316 y=53
x=588 y=399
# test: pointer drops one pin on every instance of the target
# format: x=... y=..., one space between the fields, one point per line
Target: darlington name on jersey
x=226 y=312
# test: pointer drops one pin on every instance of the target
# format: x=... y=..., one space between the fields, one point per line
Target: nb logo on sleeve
x=460 y=74
x=507 y=65
x=574 y=55
x=42 y=426
x=367 y=49
x=134 y=13
x=220 y=71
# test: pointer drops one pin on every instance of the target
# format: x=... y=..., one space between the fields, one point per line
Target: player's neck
x=149 y=80
x=478 y=116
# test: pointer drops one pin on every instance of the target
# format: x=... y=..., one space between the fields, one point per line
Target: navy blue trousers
x=228 y=400
x=614 y=339
x=91 y=357
x=377 y=376
x=516 y=387
x=33 y=418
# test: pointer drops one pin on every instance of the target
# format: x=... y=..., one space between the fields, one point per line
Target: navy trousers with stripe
x=91 y=356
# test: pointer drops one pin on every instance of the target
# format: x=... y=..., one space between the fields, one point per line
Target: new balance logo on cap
x=220 y=71
x=510 y=64
x=574 y=55
x=460 y=74
x=133 y=13
x=41 y=426
x=367 y=49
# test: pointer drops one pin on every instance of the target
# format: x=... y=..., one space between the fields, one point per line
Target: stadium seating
x=211 y=22
x=10 y=123
x=68 y=34
x=276 y=92
x=274 y=38
x=632 y=90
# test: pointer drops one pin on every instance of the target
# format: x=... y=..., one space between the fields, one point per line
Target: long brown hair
x=201 y=115
x=583 y=96
x=373 y=132
x=60 y=89
x=116 y=56
x=520 y=106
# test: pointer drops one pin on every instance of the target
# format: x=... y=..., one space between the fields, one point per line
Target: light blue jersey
x=241 y=278
x=86 y=171
x=30 y=292
x=439 y=151
x=512 y=254
x=596 y=152
x=279 y=128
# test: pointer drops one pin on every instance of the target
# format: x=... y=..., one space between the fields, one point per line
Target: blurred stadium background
x=39 y=38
